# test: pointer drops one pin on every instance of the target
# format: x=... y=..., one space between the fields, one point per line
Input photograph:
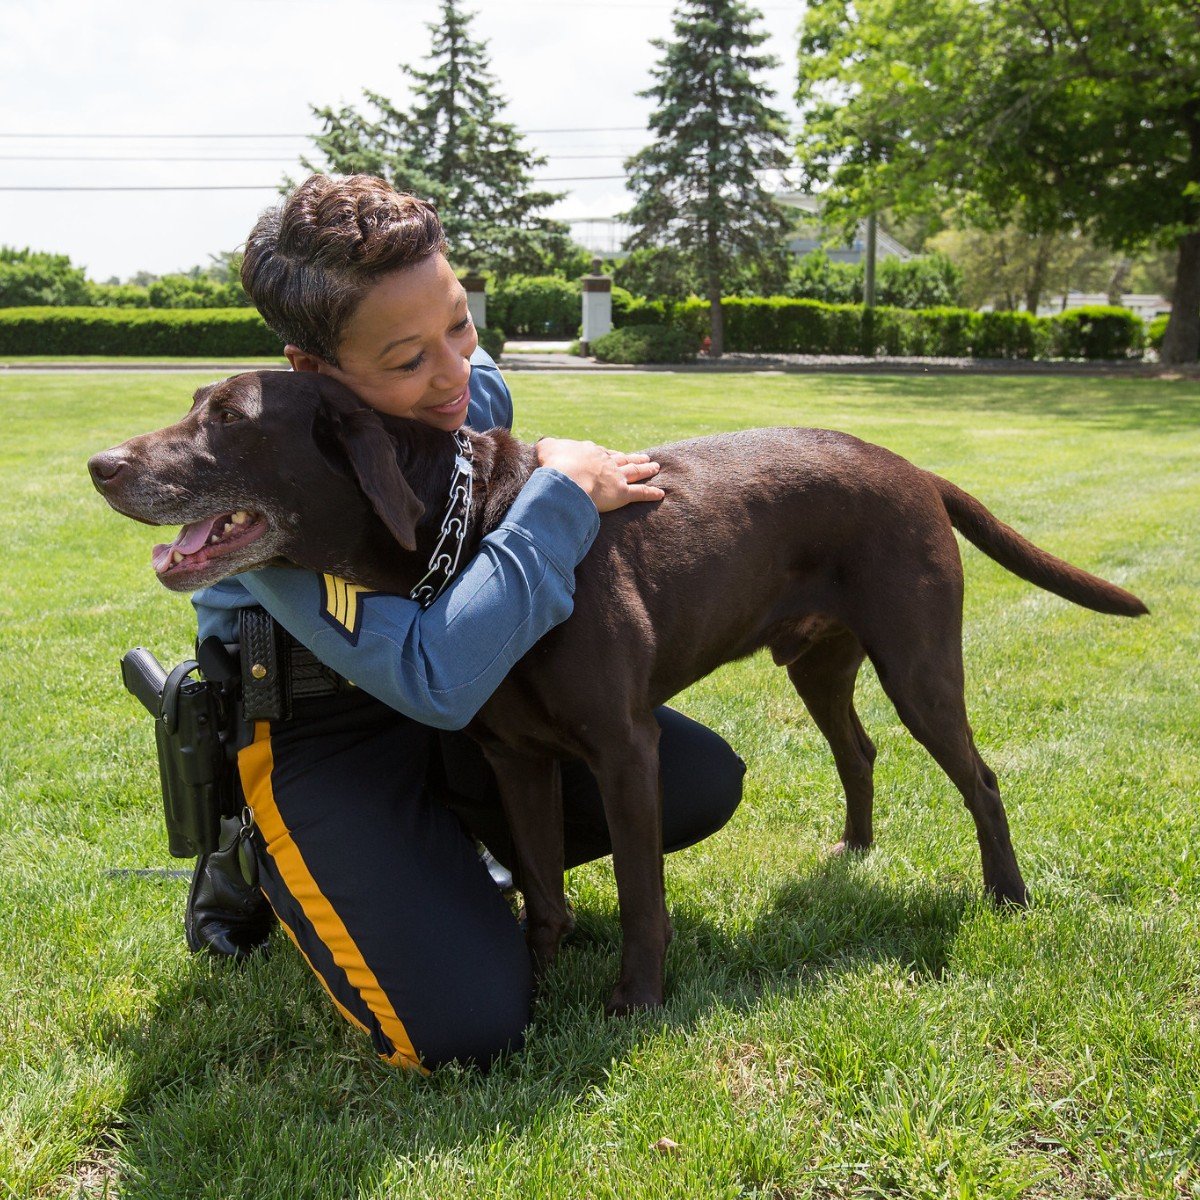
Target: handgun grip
x=143 y=676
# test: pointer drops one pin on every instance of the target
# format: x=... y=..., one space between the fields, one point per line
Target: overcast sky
x=79 y=70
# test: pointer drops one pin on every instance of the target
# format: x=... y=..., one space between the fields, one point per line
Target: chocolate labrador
x=818 y=546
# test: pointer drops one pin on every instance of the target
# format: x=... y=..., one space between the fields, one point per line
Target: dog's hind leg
x=920 y=667
x=824 y=676
x=628 y=777
x=531 y=792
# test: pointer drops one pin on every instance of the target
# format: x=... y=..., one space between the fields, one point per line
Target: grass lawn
x=863 y=1027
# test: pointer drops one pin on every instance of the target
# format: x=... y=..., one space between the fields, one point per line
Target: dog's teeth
x=177 y=557
x=228 y=527
x=240 y=517
x=212 y=539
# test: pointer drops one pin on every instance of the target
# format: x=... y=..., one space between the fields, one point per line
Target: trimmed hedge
x=1157 y=331
x=779 y=325
x=646 y=344
x=1097 y=331
x=536 y=306
x=220 y=332
x=752 y=325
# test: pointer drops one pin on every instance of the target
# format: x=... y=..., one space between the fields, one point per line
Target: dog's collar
x=443 y=562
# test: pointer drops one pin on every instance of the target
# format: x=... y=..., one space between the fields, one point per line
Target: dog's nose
x=103 y=467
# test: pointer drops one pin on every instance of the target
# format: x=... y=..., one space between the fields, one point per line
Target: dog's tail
x=1023 y=558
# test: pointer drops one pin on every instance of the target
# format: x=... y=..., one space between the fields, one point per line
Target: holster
x=195 y=734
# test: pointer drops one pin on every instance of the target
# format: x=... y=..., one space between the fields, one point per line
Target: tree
x=699 y=183
x=31 y=277
x=1057 y=116
x=451 y=146
x=1010 y=268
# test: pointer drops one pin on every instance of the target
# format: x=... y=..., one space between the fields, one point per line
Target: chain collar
x=443 y=562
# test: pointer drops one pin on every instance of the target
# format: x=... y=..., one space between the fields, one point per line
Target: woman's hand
x=610 y=478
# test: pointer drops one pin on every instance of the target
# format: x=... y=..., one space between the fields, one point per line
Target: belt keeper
x=265 y=682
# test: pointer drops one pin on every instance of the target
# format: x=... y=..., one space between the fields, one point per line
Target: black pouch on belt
x=266 y=681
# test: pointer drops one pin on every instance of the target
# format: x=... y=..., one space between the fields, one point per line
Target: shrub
x=214 y=331
x=31 y=277
x=645 y=344
x=118 y=295
x=927 y=281
x=492 y=340
x=536 y=306
x=642 y=312
x=1011 y=335
x=1157 y=331
x=1097 y=331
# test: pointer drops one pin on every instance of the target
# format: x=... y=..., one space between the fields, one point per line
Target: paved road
x=545 y=361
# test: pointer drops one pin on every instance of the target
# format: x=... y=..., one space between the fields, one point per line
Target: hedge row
x=774 y=325
x=220 y=332
x=783 y=326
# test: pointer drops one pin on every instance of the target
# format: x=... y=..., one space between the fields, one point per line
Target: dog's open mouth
x=202 y=541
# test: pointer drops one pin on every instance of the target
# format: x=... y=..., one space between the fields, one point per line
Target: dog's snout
x=103 y=467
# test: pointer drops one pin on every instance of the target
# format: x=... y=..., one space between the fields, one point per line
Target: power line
x=227 y=187
x=85 y=136
x=71 y=158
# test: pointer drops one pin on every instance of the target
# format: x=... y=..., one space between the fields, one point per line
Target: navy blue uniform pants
x=366 y=822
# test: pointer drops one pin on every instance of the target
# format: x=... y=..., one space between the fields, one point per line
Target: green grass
x=864 y=1027
x=20 y=360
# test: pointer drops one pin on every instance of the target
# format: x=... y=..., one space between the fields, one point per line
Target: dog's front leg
x=531 y=791
x=627 y=773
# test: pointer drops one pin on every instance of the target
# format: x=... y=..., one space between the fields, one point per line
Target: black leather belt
x=277 y=669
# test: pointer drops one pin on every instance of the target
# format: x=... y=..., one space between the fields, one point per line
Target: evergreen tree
x=699 y=184
x=451 y=146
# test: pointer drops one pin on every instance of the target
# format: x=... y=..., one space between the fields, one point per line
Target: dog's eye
x=227 y=416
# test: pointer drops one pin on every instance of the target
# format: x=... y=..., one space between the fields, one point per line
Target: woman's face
x=406 y=348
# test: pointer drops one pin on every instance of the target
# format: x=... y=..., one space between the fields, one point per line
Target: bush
x=927 y=281
x=118 y=295
x=1097 y=331
x=536 y=306
x=492 y=340
x=646 y=344
x=31 y=277
x=1011 y=335
x=213 y=331
x=1157 y=331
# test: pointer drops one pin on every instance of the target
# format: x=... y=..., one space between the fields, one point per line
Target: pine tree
x=699 y=184
x=451 y=146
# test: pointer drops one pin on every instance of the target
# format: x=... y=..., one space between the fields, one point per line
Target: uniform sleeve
x=439 y=665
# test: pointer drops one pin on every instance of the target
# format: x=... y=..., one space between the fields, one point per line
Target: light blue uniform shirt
x=437 y=665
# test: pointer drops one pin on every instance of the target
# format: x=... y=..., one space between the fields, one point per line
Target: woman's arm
x=439 y=665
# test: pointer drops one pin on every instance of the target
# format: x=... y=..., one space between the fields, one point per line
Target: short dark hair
x=310 y=260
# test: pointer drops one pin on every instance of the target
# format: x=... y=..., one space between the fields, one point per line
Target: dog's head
x=269 y=465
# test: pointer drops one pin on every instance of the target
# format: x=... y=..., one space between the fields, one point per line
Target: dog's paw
x=628 y=999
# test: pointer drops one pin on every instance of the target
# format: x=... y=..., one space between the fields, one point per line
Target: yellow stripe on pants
x=256 y=763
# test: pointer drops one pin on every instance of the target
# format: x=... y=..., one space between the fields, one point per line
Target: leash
x=443 y=562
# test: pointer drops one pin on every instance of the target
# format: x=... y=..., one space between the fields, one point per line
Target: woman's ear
x=300 y=360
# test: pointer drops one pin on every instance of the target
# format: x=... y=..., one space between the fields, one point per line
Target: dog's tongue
x=191 y=538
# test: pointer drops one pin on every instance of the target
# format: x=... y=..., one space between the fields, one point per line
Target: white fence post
x=474 y=286
x=597 y=306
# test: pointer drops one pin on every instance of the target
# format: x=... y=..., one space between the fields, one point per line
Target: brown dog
x=821 y=547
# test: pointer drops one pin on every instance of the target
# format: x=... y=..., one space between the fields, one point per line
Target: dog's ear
x=372 y=455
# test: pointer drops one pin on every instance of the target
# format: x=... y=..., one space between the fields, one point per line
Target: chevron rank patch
x=341 y=605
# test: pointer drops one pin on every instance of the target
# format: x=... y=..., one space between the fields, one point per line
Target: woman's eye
x=464 y=323
x=412 y=364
